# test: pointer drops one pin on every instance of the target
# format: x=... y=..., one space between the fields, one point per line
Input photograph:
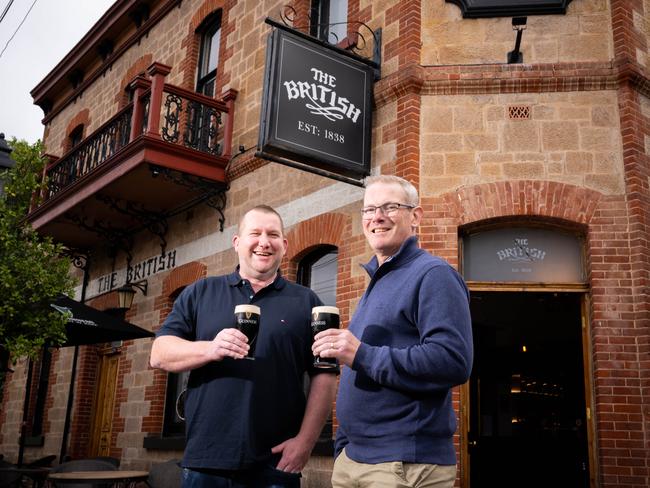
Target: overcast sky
x=49 y=32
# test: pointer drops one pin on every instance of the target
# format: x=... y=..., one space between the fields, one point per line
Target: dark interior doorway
x=527 y=421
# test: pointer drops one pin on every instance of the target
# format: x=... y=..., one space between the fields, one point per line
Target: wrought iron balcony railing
x=160 y=111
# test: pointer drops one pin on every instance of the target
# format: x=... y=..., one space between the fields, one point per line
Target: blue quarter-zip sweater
x=414 y=325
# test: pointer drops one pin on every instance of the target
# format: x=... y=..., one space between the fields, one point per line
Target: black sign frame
x=510 y=8
x=312 y=134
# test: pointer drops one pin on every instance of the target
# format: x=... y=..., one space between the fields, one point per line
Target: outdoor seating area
x=97 y=472
x=32 y=474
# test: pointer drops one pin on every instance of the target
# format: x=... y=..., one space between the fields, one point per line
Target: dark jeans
x=262 y=477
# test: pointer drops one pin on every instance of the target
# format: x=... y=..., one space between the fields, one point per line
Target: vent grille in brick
x=519 y=112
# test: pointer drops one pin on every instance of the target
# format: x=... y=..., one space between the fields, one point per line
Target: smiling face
x=260 y=245
x=385 y=233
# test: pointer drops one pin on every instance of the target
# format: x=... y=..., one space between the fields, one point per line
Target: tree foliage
x=32 y=270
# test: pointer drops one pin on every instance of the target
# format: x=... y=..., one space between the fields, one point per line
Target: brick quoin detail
x=175 y=281
x=82 y=118
x=407 y=49
x=624 y=348
x=626 y=39
x=635 y=129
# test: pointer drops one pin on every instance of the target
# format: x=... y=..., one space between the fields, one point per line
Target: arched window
x=318 y=271
x=76 y=136
x=210 y=31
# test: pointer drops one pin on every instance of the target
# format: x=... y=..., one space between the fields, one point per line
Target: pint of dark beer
x=323 y=318
x=247 y=320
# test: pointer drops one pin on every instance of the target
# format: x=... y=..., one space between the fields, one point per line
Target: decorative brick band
x=503 y=78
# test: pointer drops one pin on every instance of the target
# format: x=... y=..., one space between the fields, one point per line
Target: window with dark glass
x=210 y=31
x=329 y=20
x=174 y=404
x=38 y=377
x=318 y=271
x=174 y=416
x=76 y=136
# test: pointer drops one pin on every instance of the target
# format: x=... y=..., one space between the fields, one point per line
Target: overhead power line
x=17 y=28
x=4 y=12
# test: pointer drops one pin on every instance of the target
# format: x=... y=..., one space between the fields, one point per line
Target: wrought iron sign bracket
x=354 y=49
x=213 y=193
x=80 y=258
x=117 y=239
x=154 y=222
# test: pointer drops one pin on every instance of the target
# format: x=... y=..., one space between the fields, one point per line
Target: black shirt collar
x=235 y=279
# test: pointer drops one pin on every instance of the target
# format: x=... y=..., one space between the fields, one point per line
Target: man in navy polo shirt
x=248 y=423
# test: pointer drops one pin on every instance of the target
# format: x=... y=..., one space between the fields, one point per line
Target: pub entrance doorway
x=527 y=412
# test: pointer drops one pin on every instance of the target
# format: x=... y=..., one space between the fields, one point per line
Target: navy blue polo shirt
x=236 y=410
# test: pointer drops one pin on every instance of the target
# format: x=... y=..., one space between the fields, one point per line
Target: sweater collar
x=407 y=250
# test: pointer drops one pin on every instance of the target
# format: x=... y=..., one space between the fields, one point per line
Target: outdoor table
x=37 y=475
x=117 y=479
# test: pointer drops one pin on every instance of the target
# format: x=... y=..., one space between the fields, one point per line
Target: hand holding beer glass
x=323 y=318
x=247 y=318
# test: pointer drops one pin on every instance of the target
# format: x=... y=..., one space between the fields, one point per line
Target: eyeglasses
x=389 y=209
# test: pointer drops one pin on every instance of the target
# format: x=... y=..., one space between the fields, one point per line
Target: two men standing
x=408 y=343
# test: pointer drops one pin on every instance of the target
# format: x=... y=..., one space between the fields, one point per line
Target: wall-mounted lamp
x=126 y=292
x=519 y=25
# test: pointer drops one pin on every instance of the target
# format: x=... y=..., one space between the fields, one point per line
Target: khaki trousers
x=351 y=474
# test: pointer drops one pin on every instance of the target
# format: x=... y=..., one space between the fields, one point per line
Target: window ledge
x=158 y=442
x=34 y=441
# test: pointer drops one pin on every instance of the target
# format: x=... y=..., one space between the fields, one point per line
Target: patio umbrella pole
x=73 y=374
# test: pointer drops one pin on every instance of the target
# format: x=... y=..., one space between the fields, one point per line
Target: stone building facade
x=558 y=144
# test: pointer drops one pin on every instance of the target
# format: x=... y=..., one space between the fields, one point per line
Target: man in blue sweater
x=407 y=345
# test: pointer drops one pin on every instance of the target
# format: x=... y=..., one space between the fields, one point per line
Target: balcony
x=161 y=155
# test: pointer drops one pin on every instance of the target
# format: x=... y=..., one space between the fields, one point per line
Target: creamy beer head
x=325 y=309
x=247 y=308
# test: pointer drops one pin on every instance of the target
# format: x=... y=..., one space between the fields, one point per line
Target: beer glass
x=323 y=318
x=247 y=318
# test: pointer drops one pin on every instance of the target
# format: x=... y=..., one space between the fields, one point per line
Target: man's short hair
x=410 y=191
x=263 y=209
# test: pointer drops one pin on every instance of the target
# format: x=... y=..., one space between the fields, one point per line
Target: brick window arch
x=76 y=130
x=139 y=67
x=206 y=16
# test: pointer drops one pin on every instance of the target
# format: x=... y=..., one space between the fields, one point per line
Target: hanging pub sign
x=316 y=108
